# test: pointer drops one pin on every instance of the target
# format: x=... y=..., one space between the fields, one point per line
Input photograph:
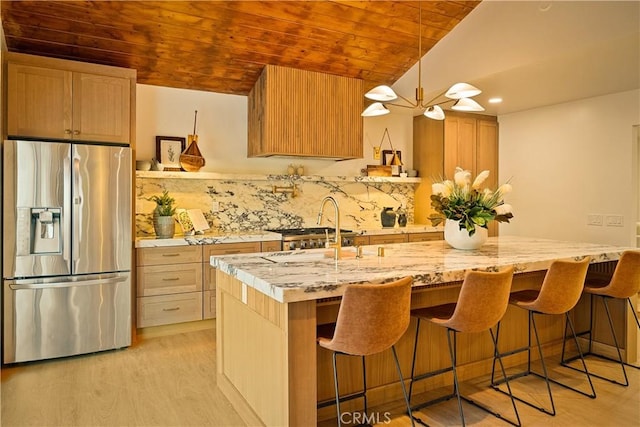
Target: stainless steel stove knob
x=304 y=244
x=292 y=245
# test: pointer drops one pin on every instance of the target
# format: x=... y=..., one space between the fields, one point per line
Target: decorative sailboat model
x=191 y=159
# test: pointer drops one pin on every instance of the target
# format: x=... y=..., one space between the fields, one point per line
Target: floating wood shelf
x=284 y=177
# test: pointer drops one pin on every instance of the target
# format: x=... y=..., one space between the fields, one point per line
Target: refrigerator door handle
x=66 y=238
x=69 y=284
x=77 y=209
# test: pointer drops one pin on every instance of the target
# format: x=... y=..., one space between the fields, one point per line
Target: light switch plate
x=614 y=220
x=215 y=206
x=594 y=219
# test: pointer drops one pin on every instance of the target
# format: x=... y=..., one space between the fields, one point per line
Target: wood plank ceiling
x=222 y=46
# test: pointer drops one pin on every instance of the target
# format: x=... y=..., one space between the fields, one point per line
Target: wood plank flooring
x=170 y=381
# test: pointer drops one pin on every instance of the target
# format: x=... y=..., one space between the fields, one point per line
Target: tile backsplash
x=248 y=203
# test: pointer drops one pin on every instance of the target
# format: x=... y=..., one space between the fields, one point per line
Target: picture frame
x=168 y=150
x=387 y=155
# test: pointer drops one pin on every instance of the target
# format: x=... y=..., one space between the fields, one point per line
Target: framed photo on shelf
x=168 y=150
x=387 y=155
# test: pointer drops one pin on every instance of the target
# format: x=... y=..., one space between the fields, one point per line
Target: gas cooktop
x=313 y=237
x=308 y=231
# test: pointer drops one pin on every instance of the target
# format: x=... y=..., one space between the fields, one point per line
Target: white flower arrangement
x=464 y=201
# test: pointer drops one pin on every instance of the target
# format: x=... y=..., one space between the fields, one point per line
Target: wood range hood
x=301 y=113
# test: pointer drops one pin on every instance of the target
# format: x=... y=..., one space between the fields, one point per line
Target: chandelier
x=459 y=93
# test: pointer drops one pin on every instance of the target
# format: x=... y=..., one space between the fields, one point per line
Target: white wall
x=570 y=160
x=222 y=132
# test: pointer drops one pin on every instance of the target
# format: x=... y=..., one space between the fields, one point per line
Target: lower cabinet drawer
x=387 y=238
x=426 y=237
x=169 y=279
x=166 y=309
x=209 y=304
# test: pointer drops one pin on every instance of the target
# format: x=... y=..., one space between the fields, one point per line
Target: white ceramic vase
x=460 y=239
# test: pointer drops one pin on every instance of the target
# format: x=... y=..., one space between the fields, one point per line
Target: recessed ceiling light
x=495 y=100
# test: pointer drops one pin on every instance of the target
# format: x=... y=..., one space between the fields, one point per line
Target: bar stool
x=624 y=284
x=371 y=318
x=482 y=303
x=560 y=292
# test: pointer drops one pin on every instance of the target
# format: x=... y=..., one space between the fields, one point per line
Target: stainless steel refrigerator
x=67 y=249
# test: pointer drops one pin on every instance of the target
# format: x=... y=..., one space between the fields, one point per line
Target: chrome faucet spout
x=337 y=245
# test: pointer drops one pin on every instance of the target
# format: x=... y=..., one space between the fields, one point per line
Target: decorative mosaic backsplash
x=249 y=203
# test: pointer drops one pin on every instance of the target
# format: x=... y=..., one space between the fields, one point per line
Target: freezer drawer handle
x=170 y=279
x=93 y=282
x=170 y=254
x=171 y=309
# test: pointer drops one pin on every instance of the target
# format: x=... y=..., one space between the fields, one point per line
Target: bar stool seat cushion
x=554 y=297
x=476 y=309
x=625 y=281
x=369 y=322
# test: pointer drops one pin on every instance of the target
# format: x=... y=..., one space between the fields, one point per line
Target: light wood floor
x=170 y=381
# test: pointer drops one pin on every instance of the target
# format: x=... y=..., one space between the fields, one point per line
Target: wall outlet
x=594 y=219
x=614 y=220
x=215 y=206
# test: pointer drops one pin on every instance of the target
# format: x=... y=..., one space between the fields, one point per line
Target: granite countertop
x=301 y=275
x=208 y=239
x=410 y=228
x=212 y=238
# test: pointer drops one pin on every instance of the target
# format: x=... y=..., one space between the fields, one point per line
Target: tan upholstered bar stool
x=560 y=292
x=482 y=303
x=624 y=284
x=371 y=319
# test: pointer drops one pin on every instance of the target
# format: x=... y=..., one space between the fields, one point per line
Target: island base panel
x=263 y=351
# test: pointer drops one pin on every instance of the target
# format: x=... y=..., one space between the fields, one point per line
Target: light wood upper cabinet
x=39 y=101
x=101 y=108
x=302 y=113
x=57 y=99
x=466 y=140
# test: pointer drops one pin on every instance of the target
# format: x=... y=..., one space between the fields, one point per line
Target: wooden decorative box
x=378 y=170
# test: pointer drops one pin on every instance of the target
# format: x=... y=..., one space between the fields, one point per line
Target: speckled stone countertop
x=208 y=239
x=262 y=236
x=301 y=275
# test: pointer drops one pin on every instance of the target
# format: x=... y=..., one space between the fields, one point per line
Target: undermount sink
x=312 y=256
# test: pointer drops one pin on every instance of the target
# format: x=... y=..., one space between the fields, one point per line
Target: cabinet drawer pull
x=170 y=279
x=76 y=132
x=170 y=254
x=67 y=131
x=171 y=309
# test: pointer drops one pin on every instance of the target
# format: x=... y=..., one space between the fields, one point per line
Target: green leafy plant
x=164 y=204
x=463 y=200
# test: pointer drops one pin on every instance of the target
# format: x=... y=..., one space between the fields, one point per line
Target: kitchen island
x=269 y=305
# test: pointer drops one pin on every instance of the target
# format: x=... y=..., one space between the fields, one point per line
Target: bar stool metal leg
x=565 y=362
x=335 y=382
x=545 y=373
x=452 y=344
x=452 y=355
x=351 y=396
x=404 y=390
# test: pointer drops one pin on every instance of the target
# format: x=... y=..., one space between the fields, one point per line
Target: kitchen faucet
x=337 y=245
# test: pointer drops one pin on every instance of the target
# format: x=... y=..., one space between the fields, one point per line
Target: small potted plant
x=163 y=220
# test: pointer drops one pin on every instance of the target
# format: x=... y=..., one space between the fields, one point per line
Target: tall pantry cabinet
x=469 y=141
